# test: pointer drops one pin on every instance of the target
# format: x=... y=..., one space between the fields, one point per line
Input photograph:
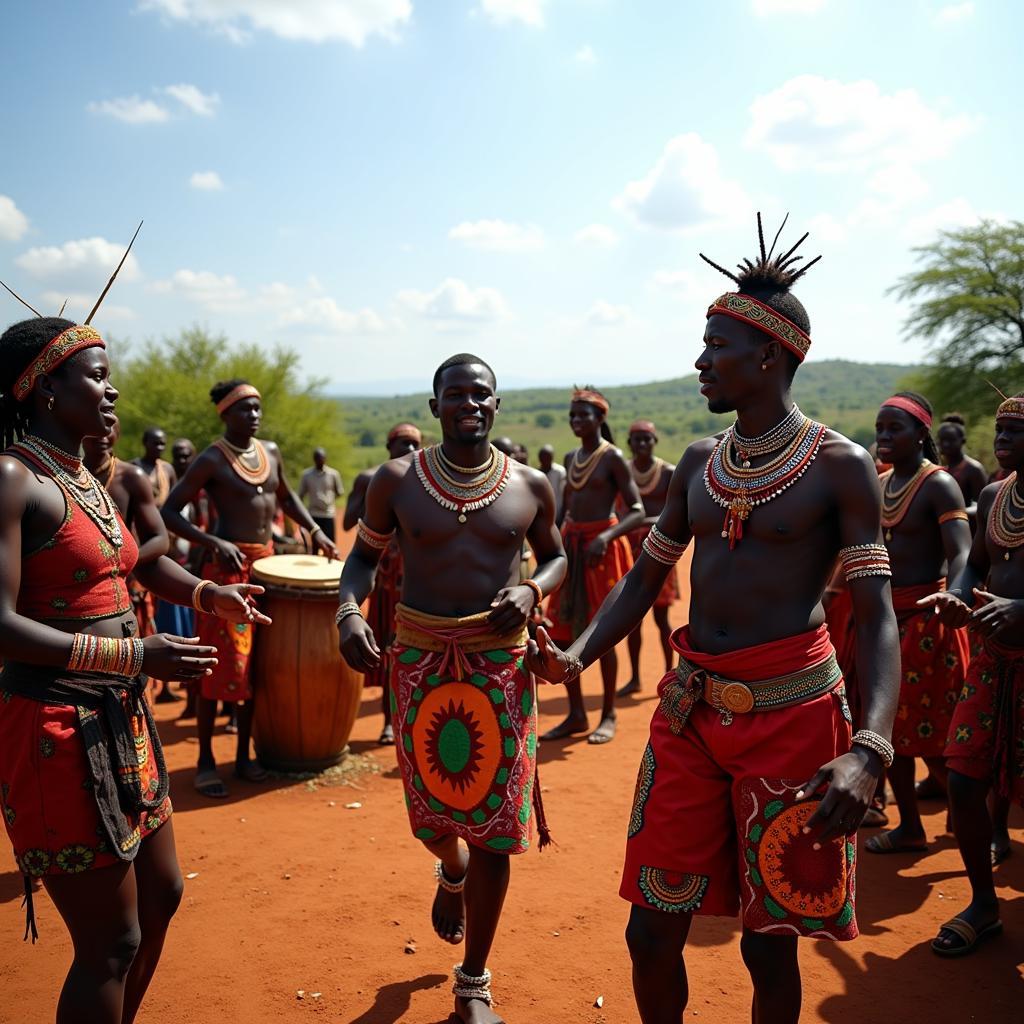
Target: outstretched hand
x=852 y=780
x=952 y=611
x=235 y=603
x=993 y=614
x=545 y=660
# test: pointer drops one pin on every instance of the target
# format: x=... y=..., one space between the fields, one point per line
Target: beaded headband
x=750 y=311
x=406 y=430
x=1011 y=409
x=591 y=397
x=236 y=395
x=918 y=411
x=644 y=427
x=55 y=352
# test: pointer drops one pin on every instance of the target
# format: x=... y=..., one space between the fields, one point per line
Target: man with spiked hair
x=463 y=704
x=750 y=790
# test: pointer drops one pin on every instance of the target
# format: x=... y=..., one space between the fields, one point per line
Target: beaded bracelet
x=537 y=592
x=371 y=538
x=879 y=744
x=106 y=655
x=197 y=594
x=955 y=513
x=860 y=560
x=345 y=610
x=662 y=548
x=575 y=668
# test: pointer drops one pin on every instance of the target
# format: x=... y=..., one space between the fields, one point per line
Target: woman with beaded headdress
x=985 y=746
x=925 y=529
x=82 y=778
x=752 y=787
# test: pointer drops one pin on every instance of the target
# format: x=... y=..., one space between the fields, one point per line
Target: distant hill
x=844 y=395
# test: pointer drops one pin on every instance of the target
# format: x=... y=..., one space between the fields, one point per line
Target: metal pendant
x=259 y=490
x=462 y=517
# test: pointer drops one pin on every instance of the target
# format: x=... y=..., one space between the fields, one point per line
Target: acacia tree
x=969 y=304
x=167 y=384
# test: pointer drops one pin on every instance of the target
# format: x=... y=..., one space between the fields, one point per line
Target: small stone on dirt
x=353 y=806
x=301 y=994
x=192 y=874
x=599 y=1002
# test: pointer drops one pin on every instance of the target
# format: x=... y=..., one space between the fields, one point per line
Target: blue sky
x=381 y=183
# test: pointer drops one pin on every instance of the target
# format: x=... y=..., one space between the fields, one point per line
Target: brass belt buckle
x=735 y=699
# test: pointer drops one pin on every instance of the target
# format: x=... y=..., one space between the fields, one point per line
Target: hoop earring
x=49 y=404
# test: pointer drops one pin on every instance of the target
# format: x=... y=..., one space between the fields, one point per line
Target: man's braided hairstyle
x=769 y=279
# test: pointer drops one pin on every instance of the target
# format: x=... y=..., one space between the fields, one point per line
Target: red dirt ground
x=293 y=891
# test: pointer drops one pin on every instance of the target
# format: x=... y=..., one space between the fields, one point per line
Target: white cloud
x=454 y=303
x=585 y=55
x=498 y=236
x=956 y=213
x=192 y=97
x=13 y=223
x=680 y=283
x=826 y=228
x=529 y=12
x=598 y=235
x=685 y=190
x=220 y=293
x=206 y=181
x=766 y=8
x=325 y=314
x=828 y=125
x=79 y=304
x=316 y=21
x=83 y=261
x=952 y=14
x=606 y=314
x=130 y=109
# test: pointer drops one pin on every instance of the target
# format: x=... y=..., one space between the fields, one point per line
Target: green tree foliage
x=167 y=384
x=969 y=303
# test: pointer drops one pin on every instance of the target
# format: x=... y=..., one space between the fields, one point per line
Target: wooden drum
x=306 y=696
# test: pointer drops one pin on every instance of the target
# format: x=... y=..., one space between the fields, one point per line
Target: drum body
x=306 y=696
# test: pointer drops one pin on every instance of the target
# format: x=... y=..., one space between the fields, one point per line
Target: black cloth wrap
x=109 y=745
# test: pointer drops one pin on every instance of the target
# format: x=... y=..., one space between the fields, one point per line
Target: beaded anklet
x=445 y=882
x=468 y=986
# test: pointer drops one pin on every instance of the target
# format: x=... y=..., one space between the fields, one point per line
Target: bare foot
x=448 y=914
x=571 y=726
x=476 y=1011
x=633 y=686
x=604 y=733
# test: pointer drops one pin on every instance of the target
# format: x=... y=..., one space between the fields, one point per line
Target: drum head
x=303 y=572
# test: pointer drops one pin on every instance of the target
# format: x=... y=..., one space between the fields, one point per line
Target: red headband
x=593 y=397
x=236 y=394
x=644 y=427
x=55 y=352
x=918 y=411
x=409 y=430
x=749 y=311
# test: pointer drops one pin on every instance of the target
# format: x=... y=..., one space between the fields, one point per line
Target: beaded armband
x=879 y=744
x=955 y=513
x=371 y=538
x=535 y=587
x=661 y=548
x=106 y=655
x=345 y=610
x=860 y=560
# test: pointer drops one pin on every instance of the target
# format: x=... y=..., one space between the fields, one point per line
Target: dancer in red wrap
x=749 y=792
x=985 y=747
x=595 y=543
x=83 y=787
x=651 y=475
x=244 y=479
x=924 y=525
x=387 y=584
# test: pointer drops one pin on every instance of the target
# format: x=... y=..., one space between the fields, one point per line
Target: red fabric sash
x=904 y=599
x=586 y=531
x=763 y=661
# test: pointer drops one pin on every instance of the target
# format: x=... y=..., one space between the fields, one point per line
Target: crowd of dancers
x=850 y=613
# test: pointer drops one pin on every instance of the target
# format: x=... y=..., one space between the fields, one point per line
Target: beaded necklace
x=648 y=480
x=739 y=488
x=582 y=469
x=235 y=457
x=458 y=496
x=896 y=502
x=1006 y=520
x=764 y=444
x=484 y=466
x=105 y=473
x=80 y=486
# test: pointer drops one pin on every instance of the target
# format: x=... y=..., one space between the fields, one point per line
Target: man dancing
x=244 y=479
x=753 y=723
x=651 y=475
x=464 y=707
x=402 y=439
x=985 y=748
x=597 y=478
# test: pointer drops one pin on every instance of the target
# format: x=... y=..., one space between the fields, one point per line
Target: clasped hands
x=990 y=616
